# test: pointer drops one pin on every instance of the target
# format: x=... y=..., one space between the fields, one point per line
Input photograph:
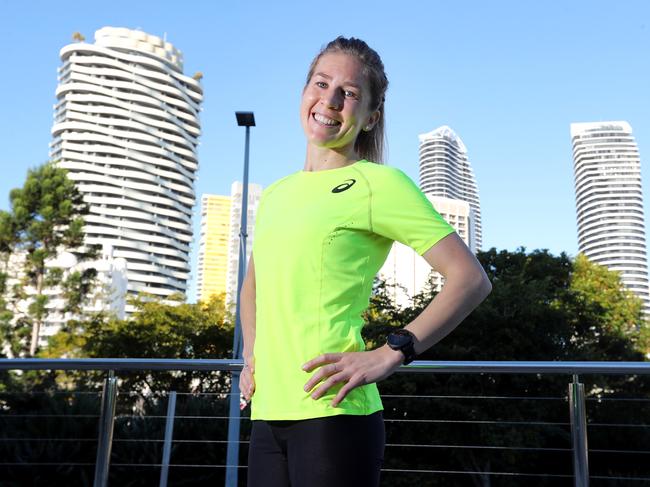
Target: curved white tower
x=126 y=129
x=609 y=201
x=445 y=171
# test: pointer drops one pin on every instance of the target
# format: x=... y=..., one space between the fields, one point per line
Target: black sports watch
x=402 y=340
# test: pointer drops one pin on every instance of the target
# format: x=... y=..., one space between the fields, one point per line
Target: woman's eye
x=321 y=84
x=350 y=94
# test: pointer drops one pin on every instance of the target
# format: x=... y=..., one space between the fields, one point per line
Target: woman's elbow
x=482 y=285
x=476 y=282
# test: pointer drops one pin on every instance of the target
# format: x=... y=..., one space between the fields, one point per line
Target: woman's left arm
x=466 y=286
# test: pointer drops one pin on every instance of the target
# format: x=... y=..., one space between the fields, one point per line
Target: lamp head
x=245 y=119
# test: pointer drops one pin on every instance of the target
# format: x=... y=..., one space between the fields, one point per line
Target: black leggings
x=341 y=451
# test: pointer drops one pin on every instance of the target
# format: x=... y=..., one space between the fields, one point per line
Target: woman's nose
x=332 y=99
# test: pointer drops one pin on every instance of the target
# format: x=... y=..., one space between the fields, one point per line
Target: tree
x=606 y=318
x=156 y=330
x=46 y=219
x=78 y=37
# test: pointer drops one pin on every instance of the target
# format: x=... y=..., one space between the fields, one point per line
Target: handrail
x=111 y=365
x=455 y=367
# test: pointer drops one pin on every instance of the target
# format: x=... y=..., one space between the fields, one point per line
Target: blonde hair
x=369 y=145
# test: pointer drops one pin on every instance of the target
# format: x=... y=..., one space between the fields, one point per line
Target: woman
x=321 y=235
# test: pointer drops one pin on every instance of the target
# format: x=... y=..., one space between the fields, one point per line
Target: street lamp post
x=244 y=119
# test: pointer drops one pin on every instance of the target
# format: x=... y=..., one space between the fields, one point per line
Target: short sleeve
x=401 y=211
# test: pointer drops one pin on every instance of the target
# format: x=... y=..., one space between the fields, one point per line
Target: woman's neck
x=320 y=158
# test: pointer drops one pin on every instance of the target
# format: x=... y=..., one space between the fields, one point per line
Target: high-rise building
x=445 y=171
x=126 y=128
x=609 y=201
x=218 y=259
x=214 y=242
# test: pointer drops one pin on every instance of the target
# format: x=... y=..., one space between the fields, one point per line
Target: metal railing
x=575 y=395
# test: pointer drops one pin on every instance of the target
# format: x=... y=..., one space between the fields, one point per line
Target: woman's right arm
x=247 y=310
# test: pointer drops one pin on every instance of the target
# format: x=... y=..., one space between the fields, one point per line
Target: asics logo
x=347 y=184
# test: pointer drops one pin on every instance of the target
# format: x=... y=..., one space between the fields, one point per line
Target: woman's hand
x=353 y=368
x=247 y=379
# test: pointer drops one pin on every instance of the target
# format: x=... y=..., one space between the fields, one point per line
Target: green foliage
x=156 y=330
x=607 y=318
x=48 y=212
x=8 y=235
x=164 y=331
x=8 y=239
x=381 y=316
x=76 y=287
x=544 y=307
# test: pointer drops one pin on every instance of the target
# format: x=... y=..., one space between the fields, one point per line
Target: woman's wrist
x=394 y=358
x=248 y=359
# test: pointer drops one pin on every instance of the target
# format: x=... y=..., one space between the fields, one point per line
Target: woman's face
x=335 y=104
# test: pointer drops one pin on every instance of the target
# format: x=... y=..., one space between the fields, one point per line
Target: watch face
x=399 y=338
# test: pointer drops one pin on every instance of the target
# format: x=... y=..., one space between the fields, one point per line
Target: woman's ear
x=372 y=120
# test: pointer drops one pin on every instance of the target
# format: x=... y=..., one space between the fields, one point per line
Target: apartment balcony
x=556 y=426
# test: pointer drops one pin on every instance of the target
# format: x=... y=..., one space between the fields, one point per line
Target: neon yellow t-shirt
x=320 y=239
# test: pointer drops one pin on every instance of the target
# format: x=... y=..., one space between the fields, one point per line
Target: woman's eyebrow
x=347 y=83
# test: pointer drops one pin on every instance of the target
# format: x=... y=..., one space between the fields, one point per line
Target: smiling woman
x=350 y=75
x=321 y=235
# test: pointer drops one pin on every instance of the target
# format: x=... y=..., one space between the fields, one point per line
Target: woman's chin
x=327 y=142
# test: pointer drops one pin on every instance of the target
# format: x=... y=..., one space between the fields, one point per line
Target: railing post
x=234 y=415
x=579 y=433
x=169 y=430
x=106 y=422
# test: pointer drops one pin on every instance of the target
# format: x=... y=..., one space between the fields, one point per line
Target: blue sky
x=508 y=76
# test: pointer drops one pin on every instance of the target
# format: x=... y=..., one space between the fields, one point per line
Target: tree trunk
x=36 y=325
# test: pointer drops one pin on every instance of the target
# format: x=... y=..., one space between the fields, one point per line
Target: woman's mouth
x=323 y=120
